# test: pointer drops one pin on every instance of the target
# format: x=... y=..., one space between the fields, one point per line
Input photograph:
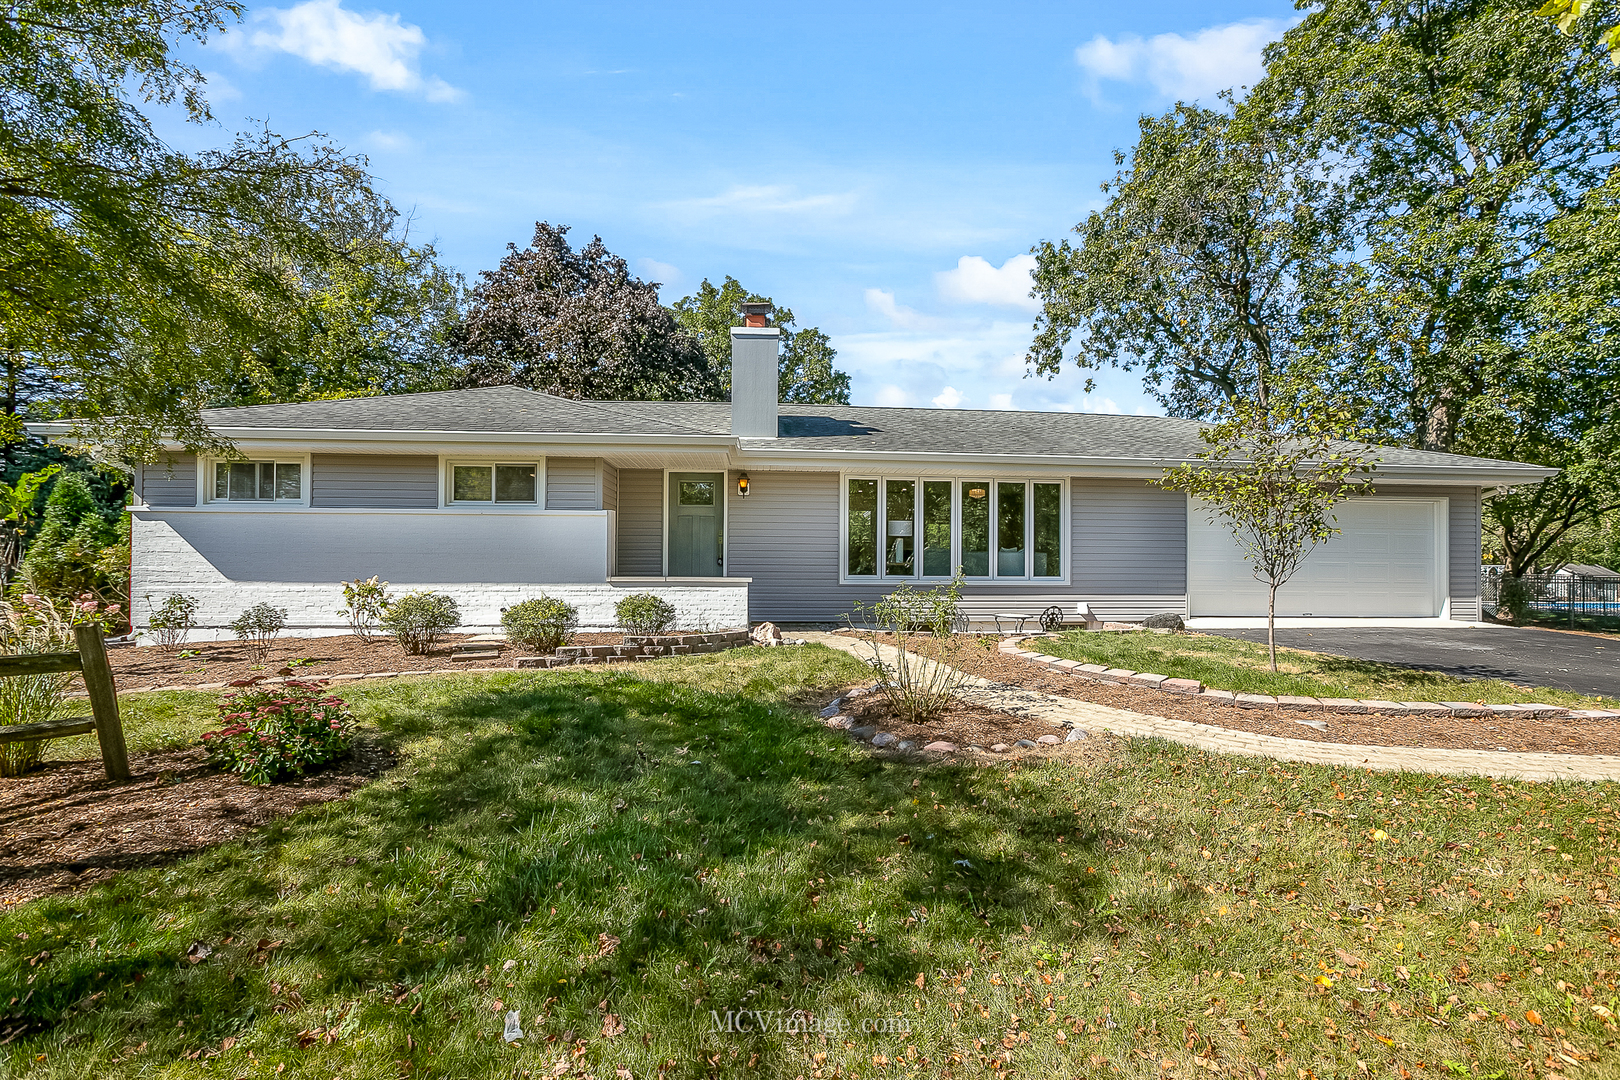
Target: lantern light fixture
x=742 y=484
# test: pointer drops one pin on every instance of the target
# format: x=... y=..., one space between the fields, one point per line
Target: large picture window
x=911 y=528
x=496 y=483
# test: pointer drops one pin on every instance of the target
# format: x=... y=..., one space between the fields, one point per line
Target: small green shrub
x=171 y=620
x=540 y=624
x=271 y=732
x=364 y=603
x=258 y=626
x=644 y=613
x=418 y=619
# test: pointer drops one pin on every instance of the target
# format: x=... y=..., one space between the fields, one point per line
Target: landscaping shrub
x=276 y=731
x=69 y=555
x=917 y=688
x=540 y=624
x=258 y=626
x=644 y=613
x=364 y=602
x=418 y=619
x=171 y=620
x=32 y=626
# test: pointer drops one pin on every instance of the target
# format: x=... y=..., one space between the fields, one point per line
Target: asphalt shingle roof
x=825 y=428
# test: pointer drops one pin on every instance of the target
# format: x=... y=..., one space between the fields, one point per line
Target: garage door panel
x=1388 y=561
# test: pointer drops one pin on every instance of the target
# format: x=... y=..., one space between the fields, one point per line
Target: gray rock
x=1025 y=743
x=859 y=691
x=1074 y=735
x=840 y=723
x=1048 y=740
x=884 y=738
x=976 y=750
x=1000 y=748
x=1165 y=620
x=864 y=733
x=941 y=747
x=832 y=710
x=1319 y=725
x=905 y=744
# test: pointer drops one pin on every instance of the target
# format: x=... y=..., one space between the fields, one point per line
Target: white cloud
x=1001 y=401
x=661 y=272
x=770 y=199
x=390 y=142
x=882 y=302
x=1185 y=68
x=892 y=397
x=949 y=398
x=975 y=281
x=219 y=87
x=378 y=46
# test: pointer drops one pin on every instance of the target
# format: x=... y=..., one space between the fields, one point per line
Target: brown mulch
x=962 y=724
x=137 y=666
x=66 y=826
x=1553 y=735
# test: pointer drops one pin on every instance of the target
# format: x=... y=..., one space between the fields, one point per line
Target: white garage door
x=1388 y=562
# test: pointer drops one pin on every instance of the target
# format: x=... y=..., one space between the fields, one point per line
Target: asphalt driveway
x=1579 y=662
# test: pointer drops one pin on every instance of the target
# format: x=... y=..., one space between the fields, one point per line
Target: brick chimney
x=754 y=348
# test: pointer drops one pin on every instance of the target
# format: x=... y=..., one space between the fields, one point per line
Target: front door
x=696 y=524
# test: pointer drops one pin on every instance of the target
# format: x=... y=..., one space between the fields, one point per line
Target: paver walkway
x=1070 y=712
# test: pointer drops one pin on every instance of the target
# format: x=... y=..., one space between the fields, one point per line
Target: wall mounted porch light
x=742 y=483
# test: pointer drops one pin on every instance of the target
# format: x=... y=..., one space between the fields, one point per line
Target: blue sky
x=881 y=170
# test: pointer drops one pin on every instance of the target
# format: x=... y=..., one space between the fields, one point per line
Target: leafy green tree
x=1273 y=473
x=137 y=277
x=577 y=324
x=1566 y=12
x=68 y=556
x=806 y=372
x=1197 y=270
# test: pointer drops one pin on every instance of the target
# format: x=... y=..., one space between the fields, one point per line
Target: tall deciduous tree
x=132 y=277
x=577 y=324
x=1198 y=268
x=806 y=372
x=1272 y=473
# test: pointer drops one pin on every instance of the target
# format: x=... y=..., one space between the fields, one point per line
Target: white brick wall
x=164 y=562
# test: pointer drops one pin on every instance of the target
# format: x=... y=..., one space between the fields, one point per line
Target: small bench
x=1016 y=619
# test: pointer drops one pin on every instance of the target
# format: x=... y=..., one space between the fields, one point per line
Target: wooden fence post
x=98 y=682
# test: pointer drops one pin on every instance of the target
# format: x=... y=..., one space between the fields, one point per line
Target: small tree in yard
x=364 y=604
x=917 y=687
x=1273 y=472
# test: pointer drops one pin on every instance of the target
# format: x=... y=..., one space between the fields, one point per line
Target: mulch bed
x=66 y=826
x=1557 y=735
x=963 y=724
x=138 y=666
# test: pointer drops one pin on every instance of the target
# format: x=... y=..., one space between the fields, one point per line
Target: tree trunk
x=1271 y=625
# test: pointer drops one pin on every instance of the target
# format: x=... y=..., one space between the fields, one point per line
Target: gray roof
x=1588 y=570
x=810 y=428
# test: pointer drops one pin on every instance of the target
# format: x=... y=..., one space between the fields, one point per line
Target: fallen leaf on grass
x=199 y=951
x=612 y=1026
x=1350 y=958
x=605 y=944
x=1534 y=1017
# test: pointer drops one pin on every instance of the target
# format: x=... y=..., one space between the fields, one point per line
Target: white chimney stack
x=754 y=348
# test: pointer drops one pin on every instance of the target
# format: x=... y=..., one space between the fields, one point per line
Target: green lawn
x=1243 y=667
x=665 y=844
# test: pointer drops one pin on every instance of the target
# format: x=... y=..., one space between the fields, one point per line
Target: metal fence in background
x=1571 y=595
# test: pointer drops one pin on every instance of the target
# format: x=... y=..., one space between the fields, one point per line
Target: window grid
x=257 y=481
x=492 y=483
x=906 y=528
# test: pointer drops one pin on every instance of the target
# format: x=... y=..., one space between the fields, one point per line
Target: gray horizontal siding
x=641 y=522
x=1129 y=552
x=374 y=481
x=610 y=487
x=571 y=484
x=170 y=481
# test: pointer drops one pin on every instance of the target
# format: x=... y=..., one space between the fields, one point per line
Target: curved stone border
x=1088 y=716
x=1192 y=688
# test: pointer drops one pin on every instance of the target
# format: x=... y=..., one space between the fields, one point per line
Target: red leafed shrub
x=276 y=731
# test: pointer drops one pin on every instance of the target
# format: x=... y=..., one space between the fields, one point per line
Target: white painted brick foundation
x=165 y=562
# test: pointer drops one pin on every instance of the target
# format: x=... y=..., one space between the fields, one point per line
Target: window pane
x=244 y=480
x=267 y=479
x=1048 y=546
x=900 y=550
x=976 y=528
x=222 y=481
x=514 y=483
x=472 y=483
x=697 y=493
x=936 y=518
x=1009 y=530
x=862 y=555
x=288 y=484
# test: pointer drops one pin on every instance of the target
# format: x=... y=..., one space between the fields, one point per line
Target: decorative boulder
x=766 y=633
x=1165 y=620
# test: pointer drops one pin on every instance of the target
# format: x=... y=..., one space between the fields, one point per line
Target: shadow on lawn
x=646 y=844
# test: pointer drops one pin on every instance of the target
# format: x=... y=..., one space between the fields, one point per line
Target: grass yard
x=624 y=856
x=1244 y=667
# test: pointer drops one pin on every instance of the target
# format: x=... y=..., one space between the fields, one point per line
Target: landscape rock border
x=1013 y=646
x=833 y=716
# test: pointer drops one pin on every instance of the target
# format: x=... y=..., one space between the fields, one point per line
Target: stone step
x=478 y=654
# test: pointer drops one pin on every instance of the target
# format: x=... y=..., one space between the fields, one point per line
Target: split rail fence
x=90 y=661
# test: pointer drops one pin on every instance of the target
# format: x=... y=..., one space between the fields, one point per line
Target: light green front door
x=696 y=524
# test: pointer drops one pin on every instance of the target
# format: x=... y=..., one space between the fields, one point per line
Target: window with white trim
x=257 y=481
x=919 y=527
x=497 y=483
